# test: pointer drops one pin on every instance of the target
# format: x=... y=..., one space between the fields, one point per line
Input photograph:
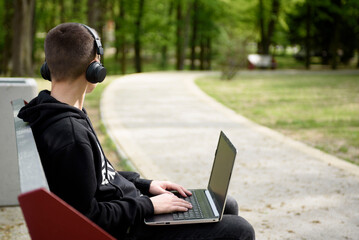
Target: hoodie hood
x=45 y=109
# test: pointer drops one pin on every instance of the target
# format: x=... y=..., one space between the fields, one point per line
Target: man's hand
x=161 y=187
x=168 y=202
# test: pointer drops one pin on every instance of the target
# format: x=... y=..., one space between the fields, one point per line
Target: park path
x=285 y=189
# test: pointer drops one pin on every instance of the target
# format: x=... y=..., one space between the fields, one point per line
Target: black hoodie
x=77 y=169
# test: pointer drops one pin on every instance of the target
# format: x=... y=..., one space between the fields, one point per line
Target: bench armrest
x=49 y=217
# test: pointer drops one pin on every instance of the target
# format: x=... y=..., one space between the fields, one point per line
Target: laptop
x=208 y=204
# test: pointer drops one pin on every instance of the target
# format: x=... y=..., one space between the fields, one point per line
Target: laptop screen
x=222 y=171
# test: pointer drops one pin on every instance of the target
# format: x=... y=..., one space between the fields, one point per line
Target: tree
x=62 y=10
x=97 y=13
x=349 y=34
x=120 y=32
x=166 y=36
x=7 y=12
x=325 y=28
x=205 y=30
x=22 y=44
x=137 y=36
x=194 y=33
x=336 y=31
x=266 y=31
x=204 y=33
x=93 y=13
x=179 y=36
x=308 y=23
x=232 y=39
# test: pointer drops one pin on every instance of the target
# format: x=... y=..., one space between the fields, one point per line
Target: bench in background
x=46 y=215
x=261 y=61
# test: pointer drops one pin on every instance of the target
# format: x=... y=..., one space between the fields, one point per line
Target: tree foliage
x=326 y=28
x=141 y=35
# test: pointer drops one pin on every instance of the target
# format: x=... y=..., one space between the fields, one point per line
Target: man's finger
x=184 y=203
x=184 y=192
x=181 y=190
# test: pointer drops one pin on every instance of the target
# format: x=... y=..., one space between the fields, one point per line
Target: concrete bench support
x=10 y=89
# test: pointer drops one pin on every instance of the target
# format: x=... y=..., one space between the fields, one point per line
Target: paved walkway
x=169 y=129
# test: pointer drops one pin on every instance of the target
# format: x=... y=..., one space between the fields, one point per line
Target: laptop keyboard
x=194 y=213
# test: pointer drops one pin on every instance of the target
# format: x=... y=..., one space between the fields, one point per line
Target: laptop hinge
x=213 y=206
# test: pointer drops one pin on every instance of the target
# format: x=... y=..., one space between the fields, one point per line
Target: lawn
x=320 y=109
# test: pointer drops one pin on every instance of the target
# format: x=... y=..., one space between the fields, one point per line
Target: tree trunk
x=194 y=34
x=266 y=36
x=93 y=13
x=334 y=45
x=163 y=63
x=357 y=42
x=262 y=28
x=208 y=53
x=164 y=48
x=137 y=38
x=122 y=37
x=273 y=20
x=5 y=52
x=179 y=42
x=22 y=44
x=52 y=18
x=76 y=6
x=62 y=11
x=118 y=24
x=202 y=54
x=308 y=23
x=185 y=23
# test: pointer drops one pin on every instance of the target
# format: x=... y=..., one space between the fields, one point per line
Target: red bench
x=46 y=215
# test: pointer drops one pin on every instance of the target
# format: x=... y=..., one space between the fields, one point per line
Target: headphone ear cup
x=95 y=72
x=45 y=72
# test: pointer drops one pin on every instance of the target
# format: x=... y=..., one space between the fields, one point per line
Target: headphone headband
x=99 y=48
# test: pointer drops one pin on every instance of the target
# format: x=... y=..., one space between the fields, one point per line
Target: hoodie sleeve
x=142 y=184
x=73 y=178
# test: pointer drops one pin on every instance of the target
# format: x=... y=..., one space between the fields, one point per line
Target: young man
x=75 y=165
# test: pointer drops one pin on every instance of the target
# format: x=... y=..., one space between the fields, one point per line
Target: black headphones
x=95 y=72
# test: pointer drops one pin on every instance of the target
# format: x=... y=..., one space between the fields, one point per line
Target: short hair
x=69 y=49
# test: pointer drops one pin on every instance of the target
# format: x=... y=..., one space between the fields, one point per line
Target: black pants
x=232 y=226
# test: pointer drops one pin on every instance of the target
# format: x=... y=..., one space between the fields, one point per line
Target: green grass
x=319 y=109
x=288 y=62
